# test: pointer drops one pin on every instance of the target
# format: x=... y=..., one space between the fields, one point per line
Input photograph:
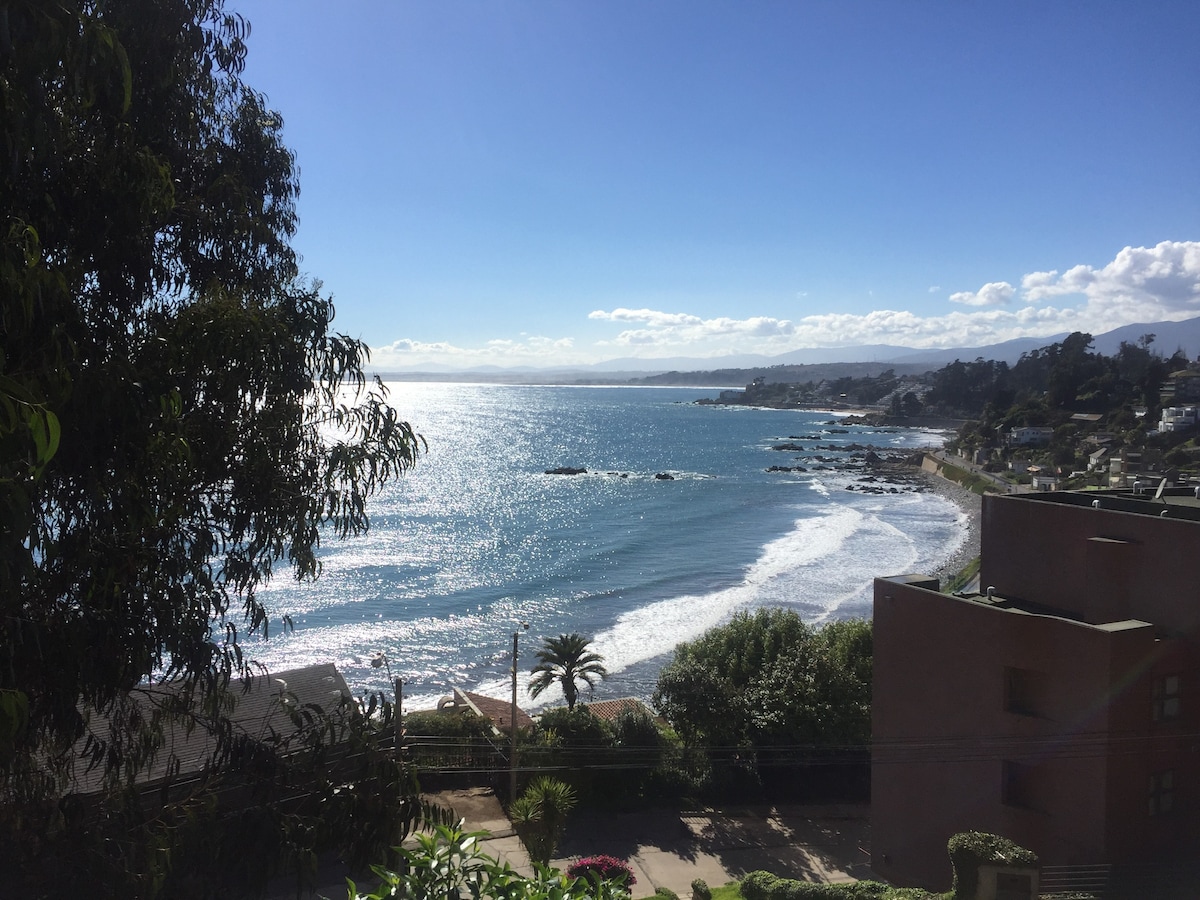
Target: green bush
x=971 y=849
x=448 y=740
x=439 y=724
x=574 y=744
x=701 y=890
x=765 y=886
x=574 y=728
x=968 y=480
x=685 y=772
x=636 y=729
x=450 y=863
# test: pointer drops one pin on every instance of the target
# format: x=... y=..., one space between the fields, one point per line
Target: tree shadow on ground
x=788 y=844
x=804 y=844
x=621 y=834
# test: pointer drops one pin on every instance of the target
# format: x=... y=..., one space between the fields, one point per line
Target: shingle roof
x=261 y=707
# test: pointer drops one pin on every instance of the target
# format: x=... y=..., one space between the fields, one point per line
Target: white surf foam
x=823 y=567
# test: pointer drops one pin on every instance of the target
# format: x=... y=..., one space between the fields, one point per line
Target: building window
x=1016 y=784
x=1024 y=692
x=1162 y=793
x=1166 y=698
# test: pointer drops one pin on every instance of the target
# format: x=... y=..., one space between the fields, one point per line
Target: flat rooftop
x=1175 y=502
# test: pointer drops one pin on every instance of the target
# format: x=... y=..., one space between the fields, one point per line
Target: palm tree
x=565 y=660
x=540 y=815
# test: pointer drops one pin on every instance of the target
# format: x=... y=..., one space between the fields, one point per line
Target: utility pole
x=512 y=723
x=381 y=661
x=399 y=718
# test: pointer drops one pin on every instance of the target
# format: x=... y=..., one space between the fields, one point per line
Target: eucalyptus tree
x=178 y=421
x=566 y=660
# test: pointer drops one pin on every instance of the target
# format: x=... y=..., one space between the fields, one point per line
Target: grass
x=972 y=482
x=969 y=571
x=733 y=891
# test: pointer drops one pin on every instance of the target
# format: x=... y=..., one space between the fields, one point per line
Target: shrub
x=439 y=724
x=634 y=728
x=765 y=886
x=971 y=849
x=608 y=868
x=575 y=728
x=701 y=890
x=540 y=814
x=450 y=863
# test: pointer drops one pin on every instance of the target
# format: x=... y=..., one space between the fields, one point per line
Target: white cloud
x=995 y=293
x=1140 y=285
x=649 y=316
x=1160 y=282
x=679 y=329
x=532 y=350
x=1035 y=282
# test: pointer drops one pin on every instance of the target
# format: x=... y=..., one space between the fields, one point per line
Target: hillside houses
x=1177 y=418
x=1183 y=387
x=1029 y=436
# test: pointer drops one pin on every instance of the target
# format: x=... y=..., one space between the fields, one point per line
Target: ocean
x=477 y=540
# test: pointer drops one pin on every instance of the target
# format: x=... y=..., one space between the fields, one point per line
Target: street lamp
x=512 y=723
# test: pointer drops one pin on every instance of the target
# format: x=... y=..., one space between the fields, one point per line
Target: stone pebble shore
x=902 y=472
x=972 y=505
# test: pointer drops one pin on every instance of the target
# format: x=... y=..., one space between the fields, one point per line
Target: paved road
x=1003 y=484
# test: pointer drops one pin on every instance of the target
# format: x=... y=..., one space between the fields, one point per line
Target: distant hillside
x=1169 y=337
x=807 y=364
x=775 y=374
x=1005 y=351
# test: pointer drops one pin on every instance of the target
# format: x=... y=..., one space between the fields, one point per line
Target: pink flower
x=608 y=868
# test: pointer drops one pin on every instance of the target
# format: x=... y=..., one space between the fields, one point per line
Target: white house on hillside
x=1030 y=435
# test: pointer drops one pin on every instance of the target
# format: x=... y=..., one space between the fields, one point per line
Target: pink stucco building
x=1060 y=706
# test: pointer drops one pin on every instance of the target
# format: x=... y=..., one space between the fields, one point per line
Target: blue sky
x=551 y=183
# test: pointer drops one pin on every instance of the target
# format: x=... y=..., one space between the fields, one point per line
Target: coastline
x=904 y=470
x=447 y=616
x=971 y=504
x=640 y=679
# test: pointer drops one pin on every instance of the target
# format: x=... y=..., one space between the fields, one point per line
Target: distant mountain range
x=1169 y=336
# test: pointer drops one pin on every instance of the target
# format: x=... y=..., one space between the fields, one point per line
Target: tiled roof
x=498 y=711
x=608 y=710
